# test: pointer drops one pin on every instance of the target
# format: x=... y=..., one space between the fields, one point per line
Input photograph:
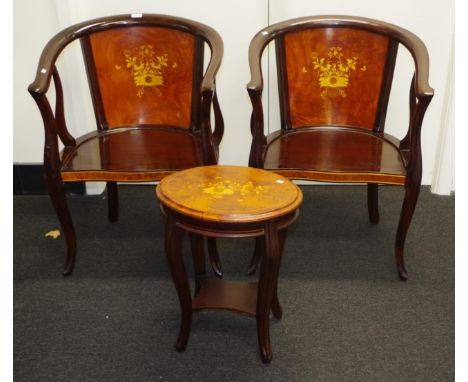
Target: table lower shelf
x=237 y=296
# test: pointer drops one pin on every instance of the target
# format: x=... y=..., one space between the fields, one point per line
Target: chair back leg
x=373 y=202
x=112 y=201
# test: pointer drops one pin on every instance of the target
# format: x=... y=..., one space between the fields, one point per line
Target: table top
x=229 y=194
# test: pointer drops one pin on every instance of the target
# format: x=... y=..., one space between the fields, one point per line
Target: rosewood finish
x=228 y=201
x=152 y=100
x=335 y=75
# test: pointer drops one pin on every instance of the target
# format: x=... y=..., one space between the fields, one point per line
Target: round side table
x=227 y=201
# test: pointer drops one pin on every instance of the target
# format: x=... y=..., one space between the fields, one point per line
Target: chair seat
x=335 y=154
x=131 y=154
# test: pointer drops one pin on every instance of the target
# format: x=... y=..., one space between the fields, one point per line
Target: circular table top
x=229 y=194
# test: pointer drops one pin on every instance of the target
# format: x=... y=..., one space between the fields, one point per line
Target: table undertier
x=237 y=296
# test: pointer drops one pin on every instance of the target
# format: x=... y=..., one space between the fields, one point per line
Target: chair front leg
x=59 y=202
x=407 y=210
x=373 y=202
x=112 y=201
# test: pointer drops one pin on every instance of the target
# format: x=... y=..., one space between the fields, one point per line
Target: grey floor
x=346 y=316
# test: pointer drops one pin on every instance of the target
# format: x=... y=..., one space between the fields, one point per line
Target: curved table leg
x=197 y=244
x=275 y=305
x=257 y=255
x=173 y=246
x=266 y=288
x=214 y=256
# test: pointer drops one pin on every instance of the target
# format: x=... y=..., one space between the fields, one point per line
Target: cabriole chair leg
x=59 y=202
x=407 y=210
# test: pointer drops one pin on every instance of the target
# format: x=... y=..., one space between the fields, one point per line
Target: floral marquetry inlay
x=221 y=188
x=334 y=71
x=147 y=68
x=229 y=193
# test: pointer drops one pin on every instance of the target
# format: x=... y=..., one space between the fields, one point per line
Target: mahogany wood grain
x=335 y=153
x=117 y=153
x=312 y=103
x=164 y=98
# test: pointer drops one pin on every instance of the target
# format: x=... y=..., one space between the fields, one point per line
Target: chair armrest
x=214 y=41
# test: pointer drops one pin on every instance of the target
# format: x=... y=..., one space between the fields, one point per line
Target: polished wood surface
x=240 y=297
x=229 y=193
x=152 y=95
x=228 y=201
x=145 y=75
x=335 y=154
x=334 y=76
x=136 y=154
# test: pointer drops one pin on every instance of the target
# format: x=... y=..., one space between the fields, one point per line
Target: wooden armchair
x=335 y=75
x=152 y=101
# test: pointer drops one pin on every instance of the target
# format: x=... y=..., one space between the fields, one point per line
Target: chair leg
x=407 y=210
x=256 y=257
x=373 y=202
x=112 y=201
x=214 y=256
x=59 y=202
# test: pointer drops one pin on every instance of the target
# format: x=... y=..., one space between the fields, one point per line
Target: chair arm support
x=219 y=122
x=257 y=129
x=412 y=141
x=51 y=149
x=418 y=103
x=210 y=154
x=62 y=130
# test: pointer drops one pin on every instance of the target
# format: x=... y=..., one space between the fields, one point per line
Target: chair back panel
x=333 y=76
x=141 y=75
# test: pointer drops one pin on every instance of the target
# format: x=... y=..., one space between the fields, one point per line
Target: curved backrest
x=144 y=75
x=336 y=70
x=334 y=76
x=142 y=69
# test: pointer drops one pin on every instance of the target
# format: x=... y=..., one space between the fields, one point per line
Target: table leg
x=175 y=261
x=214 y=257
x=257 y=255
x=197 y=244
x=266 y=288
x=275 y=305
